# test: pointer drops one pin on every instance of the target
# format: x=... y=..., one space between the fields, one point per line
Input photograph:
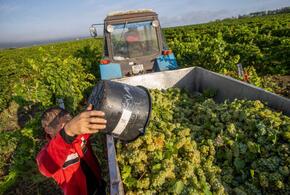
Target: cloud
x=8 y=8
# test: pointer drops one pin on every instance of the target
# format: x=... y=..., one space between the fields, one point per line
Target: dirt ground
x=283 y=85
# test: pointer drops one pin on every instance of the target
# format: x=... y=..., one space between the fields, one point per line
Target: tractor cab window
x=131 y=40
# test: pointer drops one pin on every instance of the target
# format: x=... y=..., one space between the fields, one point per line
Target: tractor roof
x=115 y=13
x=119 y=15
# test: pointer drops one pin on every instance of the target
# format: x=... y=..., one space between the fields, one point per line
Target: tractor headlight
x=155 y=23
x=110 y=28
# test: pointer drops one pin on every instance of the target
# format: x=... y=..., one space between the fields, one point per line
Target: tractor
x=133 y=45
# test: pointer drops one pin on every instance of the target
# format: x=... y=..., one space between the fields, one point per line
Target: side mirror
x=93 y=31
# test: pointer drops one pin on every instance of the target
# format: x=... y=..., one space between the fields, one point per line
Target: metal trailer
x=194 y=79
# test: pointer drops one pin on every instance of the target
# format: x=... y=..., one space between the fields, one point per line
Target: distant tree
x=268 y=12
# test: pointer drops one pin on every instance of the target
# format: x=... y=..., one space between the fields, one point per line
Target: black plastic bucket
x=127 y=108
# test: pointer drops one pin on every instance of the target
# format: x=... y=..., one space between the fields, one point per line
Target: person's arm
x=52 y=157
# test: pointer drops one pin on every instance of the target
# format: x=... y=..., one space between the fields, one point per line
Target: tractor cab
x=133 y=44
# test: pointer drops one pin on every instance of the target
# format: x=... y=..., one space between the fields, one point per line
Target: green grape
x=196 y=146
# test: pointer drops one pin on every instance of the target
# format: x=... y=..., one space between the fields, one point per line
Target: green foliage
x=7 y=146
x=261 y=42
x=253 y=78
x=90 y=56
x=196 y=146
x=53 y=78
x=206 y=51
x=18 y=150
x=18 y=66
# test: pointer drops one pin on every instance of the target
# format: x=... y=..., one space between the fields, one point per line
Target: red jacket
x=60 y=160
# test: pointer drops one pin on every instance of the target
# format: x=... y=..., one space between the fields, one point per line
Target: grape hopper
x=194 y=145
x=197 y=80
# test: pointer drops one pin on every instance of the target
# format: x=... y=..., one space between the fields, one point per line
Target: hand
x=89 y=121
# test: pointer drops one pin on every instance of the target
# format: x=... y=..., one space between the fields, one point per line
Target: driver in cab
x=133 y=40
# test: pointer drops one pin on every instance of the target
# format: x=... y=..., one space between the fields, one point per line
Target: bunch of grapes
x=196 y=146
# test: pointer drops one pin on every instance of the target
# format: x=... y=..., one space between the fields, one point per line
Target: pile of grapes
x=196 y=146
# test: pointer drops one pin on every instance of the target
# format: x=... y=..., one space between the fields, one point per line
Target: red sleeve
x=52 y=157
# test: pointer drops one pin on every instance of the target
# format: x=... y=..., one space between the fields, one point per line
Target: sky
x=34 y=20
